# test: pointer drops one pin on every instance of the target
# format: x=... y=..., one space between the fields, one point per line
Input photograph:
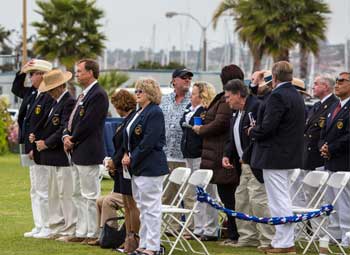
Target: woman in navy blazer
x=144 y=138
x=191 y=146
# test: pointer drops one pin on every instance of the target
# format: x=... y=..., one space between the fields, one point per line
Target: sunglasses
x=341 y=80
x=138 y=91
x=186 y=78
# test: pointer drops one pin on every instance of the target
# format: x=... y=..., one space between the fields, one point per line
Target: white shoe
x=32 y=232
x=44 y=233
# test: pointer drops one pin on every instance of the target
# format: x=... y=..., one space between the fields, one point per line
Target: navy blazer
x=191 y=143
x=51 y=132
x=279 y=132
x=118 y=154
x=315 y=121
x=336 y=134
x=87 y=128
x=251 y=107
x=145 y=143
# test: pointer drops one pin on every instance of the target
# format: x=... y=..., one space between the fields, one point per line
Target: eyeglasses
x=341 y=80
x=186 y=78
x=138 y=91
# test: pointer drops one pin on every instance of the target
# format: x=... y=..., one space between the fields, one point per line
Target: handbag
x=113 y=234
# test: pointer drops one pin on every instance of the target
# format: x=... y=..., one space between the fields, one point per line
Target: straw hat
x=38 y=65
x=300 y=86
x=267 y=79
x=54 y=79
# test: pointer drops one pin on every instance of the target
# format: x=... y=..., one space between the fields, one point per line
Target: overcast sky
x=134 y=23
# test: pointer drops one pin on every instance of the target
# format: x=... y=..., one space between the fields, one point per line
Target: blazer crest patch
x=55 y=120
x=37 y=110
x=138 y=130
x=81 y=111
x=321 y=122
x=202 y=115
x=340 y=124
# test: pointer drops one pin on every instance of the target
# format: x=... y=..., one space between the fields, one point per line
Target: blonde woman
x=191 y=143
x=145 y=159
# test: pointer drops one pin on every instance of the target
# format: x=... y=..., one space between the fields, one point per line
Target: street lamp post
x=24 y=33
x=204 y=35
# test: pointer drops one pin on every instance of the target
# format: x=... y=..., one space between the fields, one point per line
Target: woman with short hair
x=144 y=138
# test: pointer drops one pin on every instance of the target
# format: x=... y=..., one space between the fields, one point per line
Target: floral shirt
x=172 y=114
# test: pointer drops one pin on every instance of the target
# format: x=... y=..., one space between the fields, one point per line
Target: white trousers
x=63 y=215
x=339 y=222
x=39 y=193
x=280 y=204
x=86 y=189
x=206 y=220
x=147 y=192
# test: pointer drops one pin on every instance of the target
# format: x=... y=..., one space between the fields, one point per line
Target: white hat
x=267 y=79
x=38 y=65
x=300 y=86
x=54 y=79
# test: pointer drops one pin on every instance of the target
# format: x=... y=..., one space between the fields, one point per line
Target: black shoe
x=205 y=238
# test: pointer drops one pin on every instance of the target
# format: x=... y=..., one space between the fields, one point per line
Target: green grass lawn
x=15 y=219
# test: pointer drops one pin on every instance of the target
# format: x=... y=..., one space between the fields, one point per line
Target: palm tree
x=311 y=27
x=273 y=27
x=112 y=80
x=69 y=31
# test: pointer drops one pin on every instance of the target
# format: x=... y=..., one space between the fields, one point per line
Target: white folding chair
x=199 y=178
x=338 y=180
x=314 y=180
x=294 y=176
x=178 y=176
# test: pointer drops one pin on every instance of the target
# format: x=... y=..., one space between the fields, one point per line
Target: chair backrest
x=338 y=180
x=178 y=176
x=201 y=177
x=315 y=179
x=294 y=176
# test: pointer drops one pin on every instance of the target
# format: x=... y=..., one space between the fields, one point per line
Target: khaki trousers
x=251 y=198
x=107 y=207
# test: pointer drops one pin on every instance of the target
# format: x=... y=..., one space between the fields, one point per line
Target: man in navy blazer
x=32 y=110
x=83 y=139
x=48 y=140
x=316 y=120
x=250 y=195
x=279 y=142
x=335 y=149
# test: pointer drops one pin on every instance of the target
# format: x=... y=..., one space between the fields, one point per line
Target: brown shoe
x=289 y=250
x=72 y=239
x=95 y=242
x=87 y=240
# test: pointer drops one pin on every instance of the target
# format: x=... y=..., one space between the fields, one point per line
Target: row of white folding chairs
x=185 y=180
x=320 y=181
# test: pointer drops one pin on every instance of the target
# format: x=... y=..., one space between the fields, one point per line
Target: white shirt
x=189 y=115
x=130 y=124
x=236 y=135
x=88 y=88
x=343 y=102
x=325 y=98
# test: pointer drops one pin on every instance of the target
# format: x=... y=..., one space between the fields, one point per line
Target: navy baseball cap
x=182 y=72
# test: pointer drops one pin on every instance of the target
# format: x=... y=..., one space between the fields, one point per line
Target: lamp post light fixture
x=204 y=35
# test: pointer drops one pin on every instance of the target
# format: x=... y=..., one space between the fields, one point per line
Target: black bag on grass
x=113 y=234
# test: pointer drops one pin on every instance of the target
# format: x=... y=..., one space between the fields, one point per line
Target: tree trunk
x=304 y=60
x=257 y=56
x=283 y=55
